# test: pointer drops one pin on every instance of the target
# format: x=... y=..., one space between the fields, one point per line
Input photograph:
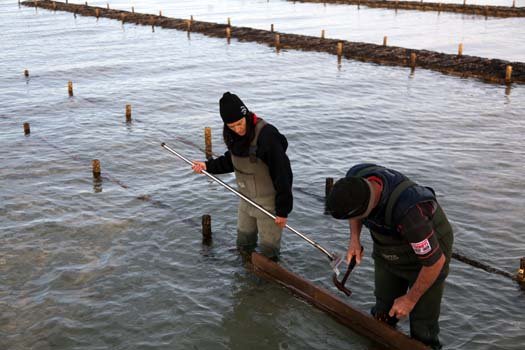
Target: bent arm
x=425 y=279
x=354 y=247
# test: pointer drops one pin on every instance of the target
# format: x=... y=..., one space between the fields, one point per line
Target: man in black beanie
x=412 y=244
x=257 y=155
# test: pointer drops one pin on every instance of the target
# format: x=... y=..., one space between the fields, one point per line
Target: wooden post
x=206 y=229
x=385 y=40
x=228 y=33
x=413 y=58
x=86 y=3
x=207 y=142
x=339 y=49
x=97 y=13
x=27 y=129
x=229 y=22
x=460 y=49
x=95 y=163
x=508 y=74
x=128 y=113
x=464 y=2
x=322 y=34
x=107 y=5
x=54 y=6
x=153 y=28
x=191 y=18
x=70 y=88
x=329 y=184
x=132 y=9
x=188 y=23
x=513 y=3
x=271 y=28
x=26 y=73
x=277 y=41
x=160 y=13
x=521 y=273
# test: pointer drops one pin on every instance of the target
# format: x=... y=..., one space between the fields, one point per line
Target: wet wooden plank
x=361 y=323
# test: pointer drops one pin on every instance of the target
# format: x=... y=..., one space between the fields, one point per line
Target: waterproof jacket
x=270 y=148
x=408 y=225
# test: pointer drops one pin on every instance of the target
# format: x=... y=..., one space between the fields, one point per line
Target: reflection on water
x=119 y=262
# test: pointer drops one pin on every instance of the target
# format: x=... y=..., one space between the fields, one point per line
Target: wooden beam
x=343 y=312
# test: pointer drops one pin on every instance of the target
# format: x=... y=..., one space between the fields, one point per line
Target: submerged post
x=329 y=184
x=508 y=74
x=228 y=33
x=97 y=13
x=277 y=41
x=27 y=129
x=95 y=163
x=521 y=274
x=26 y=73
x=207 y=142
x=206 y=229
x=128 y=113
x=70 y=88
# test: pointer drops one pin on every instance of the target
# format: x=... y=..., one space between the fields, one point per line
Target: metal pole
x=238 y=194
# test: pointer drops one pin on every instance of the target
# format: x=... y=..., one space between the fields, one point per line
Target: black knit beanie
x=349 y=198
x=232 y=108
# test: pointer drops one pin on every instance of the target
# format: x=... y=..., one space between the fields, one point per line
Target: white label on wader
x=421 y=248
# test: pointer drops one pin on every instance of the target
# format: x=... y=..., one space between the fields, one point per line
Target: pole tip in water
x=162 y=144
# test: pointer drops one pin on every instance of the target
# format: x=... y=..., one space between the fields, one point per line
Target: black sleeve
x=271 y=149
x=220 y=165
x=418 y=229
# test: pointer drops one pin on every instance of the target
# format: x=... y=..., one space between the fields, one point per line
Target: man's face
x=238 y=127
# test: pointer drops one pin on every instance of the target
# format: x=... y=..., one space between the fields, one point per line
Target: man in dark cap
x=257 y=155
x=412 y=244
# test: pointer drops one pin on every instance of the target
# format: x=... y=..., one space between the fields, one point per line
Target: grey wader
x=254 y=181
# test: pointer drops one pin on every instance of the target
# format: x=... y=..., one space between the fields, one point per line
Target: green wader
x=396 y=269
x=254 y=181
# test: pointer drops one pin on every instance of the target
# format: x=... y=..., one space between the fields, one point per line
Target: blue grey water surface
x=486 y=37
x=119 y=264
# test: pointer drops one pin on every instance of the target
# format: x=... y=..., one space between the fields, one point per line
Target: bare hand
x=355 y=249
x=402 y=307
x=198 y=167
x=281 y=222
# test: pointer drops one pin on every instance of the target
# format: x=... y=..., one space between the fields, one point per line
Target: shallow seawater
x=119 y=263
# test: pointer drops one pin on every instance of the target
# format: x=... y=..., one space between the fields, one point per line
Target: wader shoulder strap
x=365 y=170
x=253 y=145
x=396 y=193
